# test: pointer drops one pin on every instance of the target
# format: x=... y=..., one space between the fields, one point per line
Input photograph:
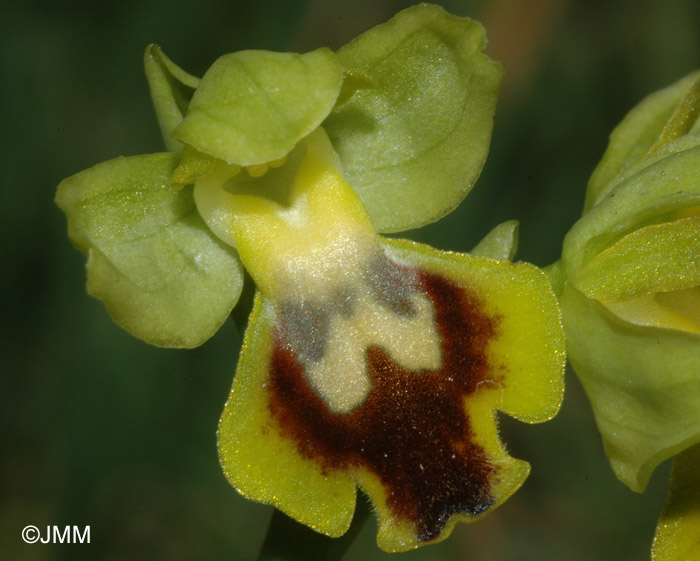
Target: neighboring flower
x=678 y=533
x=629 y=286
x=367 y=361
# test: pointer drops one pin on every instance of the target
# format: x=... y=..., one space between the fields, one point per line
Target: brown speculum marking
x=412 y=431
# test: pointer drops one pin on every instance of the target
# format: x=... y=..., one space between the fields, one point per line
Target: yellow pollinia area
x=373 y=362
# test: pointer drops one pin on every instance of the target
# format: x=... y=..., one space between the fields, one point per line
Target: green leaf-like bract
x=413 y=146
x=151 y=259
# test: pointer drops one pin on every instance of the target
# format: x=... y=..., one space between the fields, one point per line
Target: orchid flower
x=367 y=361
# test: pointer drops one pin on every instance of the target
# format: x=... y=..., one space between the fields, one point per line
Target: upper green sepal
x=252 y=107
x=151 y=259
x=413 y=146
x=171 y=91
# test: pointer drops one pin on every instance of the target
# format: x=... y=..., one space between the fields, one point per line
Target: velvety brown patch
x=412 y=431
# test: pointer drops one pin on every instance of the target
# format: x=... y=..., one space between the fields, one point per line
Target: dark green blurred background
x=100 y=429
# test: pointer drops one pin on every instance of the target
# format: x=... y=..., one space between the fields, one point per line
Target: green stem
x=287 y=540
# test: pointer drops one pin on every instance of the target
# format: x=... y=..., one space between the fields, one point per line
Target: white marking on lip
x=341 y=377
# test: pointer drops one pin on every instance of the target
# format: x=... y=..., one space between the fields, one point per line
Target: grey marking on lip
x=304 y=329
x=305 y=326
x=343 y=302
x=392 y=285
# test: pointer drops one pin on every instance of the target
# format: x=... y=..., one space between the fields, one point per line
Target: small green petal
x=643 y=384
x=414 y=146
x=193 y=165
x=171 y=91
x=252 y=107
x=151 y=259
x=354 y=81
x=678 y=532
x=499 y=243
x=633 y=138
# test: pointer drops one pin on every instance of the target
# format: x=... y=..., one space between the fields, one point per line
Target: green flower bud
x=629 y=285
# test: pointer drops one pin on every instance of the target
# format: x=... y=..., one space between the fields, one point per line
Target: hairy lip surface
x=412 y=431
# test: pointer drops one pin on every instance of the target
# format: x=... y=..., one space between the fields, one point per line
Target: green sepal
x=678 y=532
x=643 y=384
x=413 y=146
x=171 y=91
x=633 y=139
x=665 y=186
x=500 y=243
x=159 y=270
x=252 y=107
x=657 y=258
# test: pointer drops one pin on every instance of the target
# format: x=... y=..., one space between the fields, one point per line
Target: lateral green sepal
x=413 y=146
x=643 y=416
x=151 y=259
